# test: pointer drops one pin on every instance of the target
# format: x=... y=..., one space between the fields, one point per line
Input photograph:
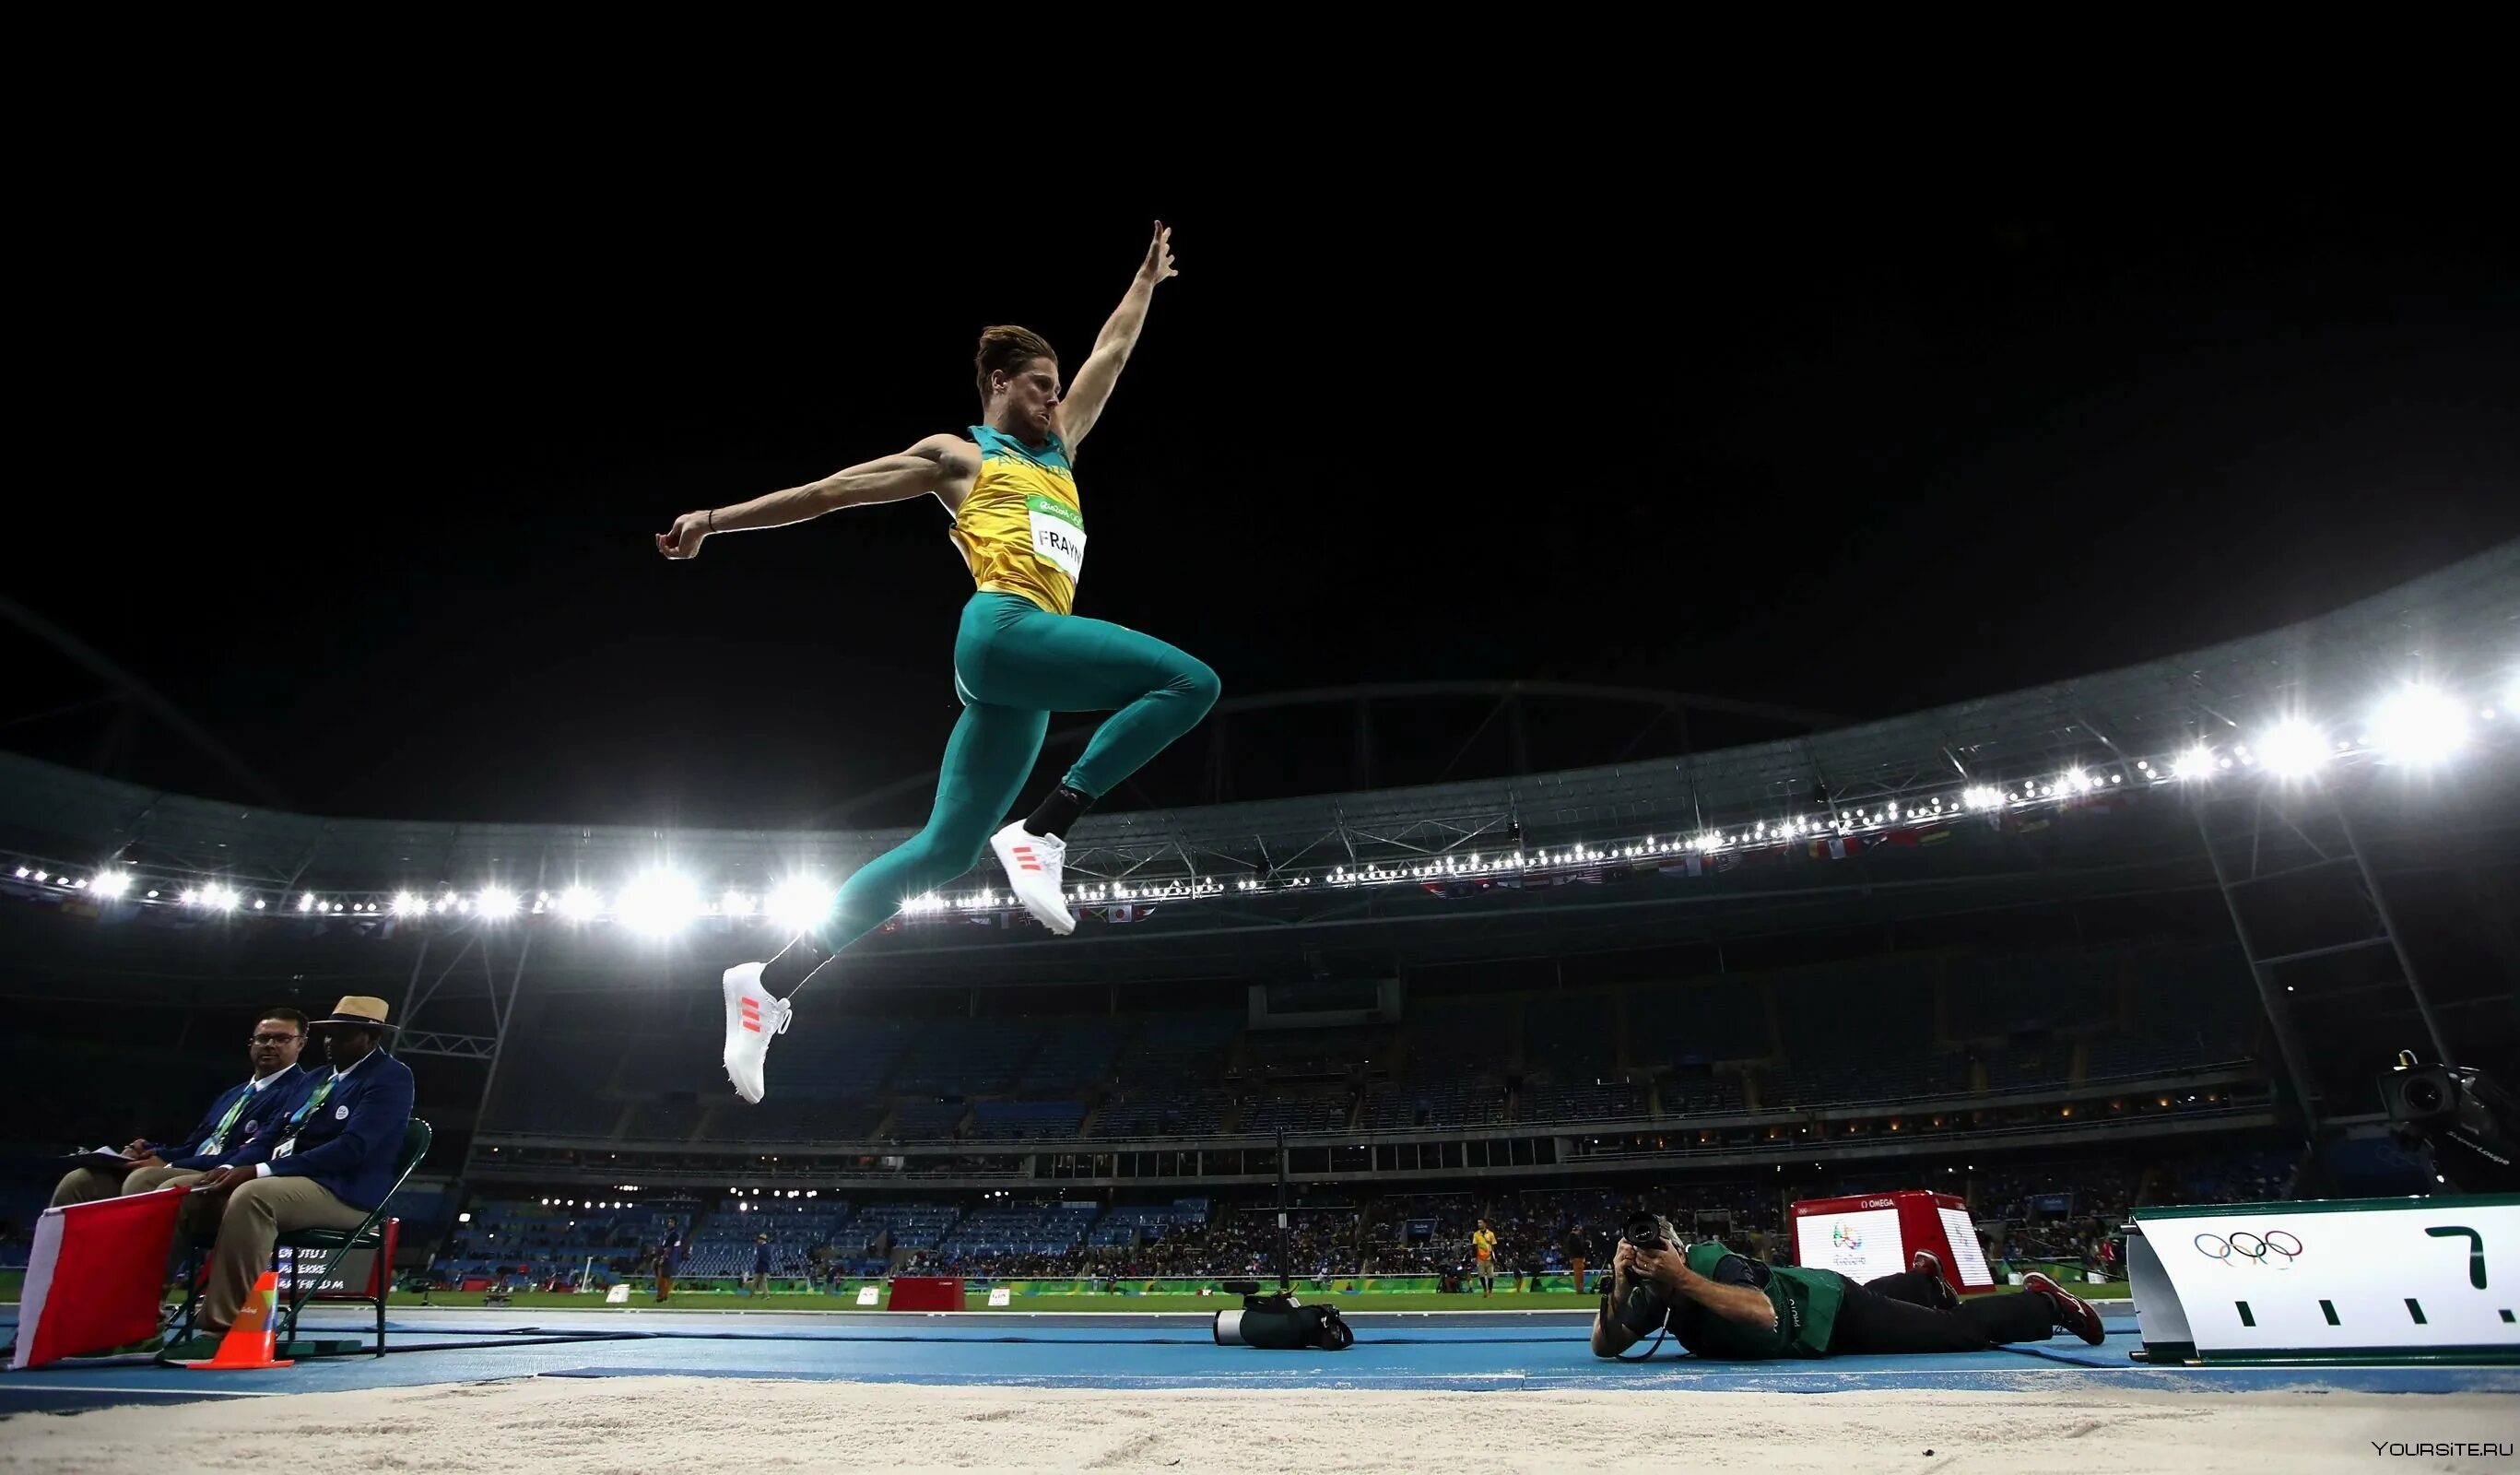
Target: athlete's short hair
x=1006 y=349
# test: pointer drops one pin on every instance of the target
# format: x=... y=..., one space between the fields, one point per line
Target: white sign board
x=618 y=1295
x=1863 y=1245
x=2339 y=1279
x=1968 y=1260
x=867 y=1295
x=1001 y=1296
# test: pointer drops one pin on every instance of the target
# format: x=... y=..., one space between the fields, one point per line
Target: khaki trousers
x=257 y=1215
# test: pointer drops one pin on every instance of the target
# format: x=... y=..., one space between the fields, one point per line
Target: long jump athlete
x=1019 y=656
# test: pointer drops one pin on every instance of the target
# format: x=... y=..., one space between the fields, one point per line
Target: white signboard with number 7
x=2346 y=1279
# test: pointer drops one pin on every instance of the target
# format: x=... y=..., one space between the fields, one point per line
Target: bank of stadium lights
x=2412 y=726
x=2417 y=726
x=658 y=903
x=2293 y=748
x=798 y=903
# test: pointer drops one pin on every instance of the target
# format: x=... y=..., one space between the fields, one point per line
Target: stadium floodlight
x=579 y=903
x=406 y=904
x=2197 y=763
x=111 y=883
x=2293 y=748
x=306 y=901
x=736 y=904
x=658 y=903
x=498 y=904
x=2418 y=725
x=219 y=899
x=799 y=903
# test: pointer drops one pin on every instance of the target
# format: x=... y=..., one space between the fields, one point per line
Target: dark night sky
x=368 y=488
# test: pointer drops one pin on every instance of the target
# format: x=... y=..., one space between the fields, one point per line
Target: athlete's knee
x=1197 y=683
x=949 y=851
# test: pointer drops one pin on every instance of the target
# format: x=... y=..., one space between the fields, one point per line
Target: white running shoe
x=752 y=1016
x=1033 y=865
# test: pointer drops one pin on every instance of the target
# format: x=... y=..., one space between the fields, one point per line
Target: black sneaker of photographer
x=2073 y=1313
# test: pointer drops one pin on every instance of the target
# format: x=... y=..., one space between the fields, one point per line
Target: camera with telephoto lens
x=1277 y=1324
x=2459 y=1121
x=1644 y=1309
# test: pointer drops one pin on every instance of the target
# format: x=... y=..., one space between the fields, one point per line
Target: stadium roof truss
x=2458 y=627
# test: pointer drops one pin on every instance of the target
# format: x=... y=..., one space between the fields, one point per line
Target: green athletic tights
x=1014 y=663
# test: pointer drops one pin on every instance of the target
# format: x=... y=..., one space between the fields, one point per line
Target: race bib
x=1058 y=534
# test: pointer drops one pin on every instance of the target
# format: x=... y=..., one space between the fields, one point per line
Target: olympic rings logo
x=2280 y=1244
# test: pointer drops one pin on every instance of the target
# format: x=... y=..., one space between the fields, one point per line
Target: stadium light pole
x=1286 y=1282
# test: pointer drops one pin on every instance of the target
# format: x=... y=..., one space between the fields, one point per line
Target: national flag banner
x=1726 y=860
x=1693 y=864
x=93 y=1277
x=1836 y=847
x=1934 y=836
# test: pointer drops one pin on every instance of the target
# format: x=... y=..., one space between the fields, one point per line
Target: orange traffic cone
x=248 y=1343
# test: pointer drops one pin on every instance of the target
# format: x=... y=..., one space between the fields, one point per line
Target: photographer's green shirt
x=1806 y=1303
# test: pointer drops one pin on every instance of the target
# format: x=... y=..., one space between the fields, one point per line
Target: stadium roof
x=2458 y=628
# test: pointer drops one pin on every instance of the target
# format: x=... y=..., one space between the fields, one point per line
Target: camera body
x=1645 y=1309
x=2460 y=1119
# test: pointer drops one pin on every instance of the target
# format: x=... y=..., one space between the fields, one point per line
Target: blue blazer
x=350 y=1141
x=272 y=1105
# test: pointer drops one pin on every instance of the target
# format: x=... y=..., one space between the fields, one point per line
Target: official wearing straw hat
x=322 y=1168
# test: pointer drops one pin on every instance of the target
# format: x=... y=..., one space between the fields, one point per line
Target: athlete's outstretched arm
x=914 y=472
x=1089 y=387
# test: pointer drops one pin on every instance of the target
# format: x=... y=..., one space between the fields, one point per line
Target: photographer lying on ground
x=1723 y=1305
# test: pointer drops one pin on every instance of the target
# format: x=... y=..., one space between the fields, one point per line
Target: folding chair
x=333 y=1244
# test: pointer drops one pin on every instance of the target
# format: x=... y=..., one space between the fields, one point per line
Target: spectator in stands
x=325 y=1166
x=1578 y=1249
x=268 y=1095
x=761 y=1265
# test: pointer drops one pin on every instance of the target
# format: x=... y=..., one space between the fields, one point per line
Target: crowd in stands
x=2063 y=1211
x=1908 y=1027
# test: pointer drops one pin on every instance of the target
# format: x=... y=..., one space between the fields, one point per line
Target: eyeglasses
x=276 y=1039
